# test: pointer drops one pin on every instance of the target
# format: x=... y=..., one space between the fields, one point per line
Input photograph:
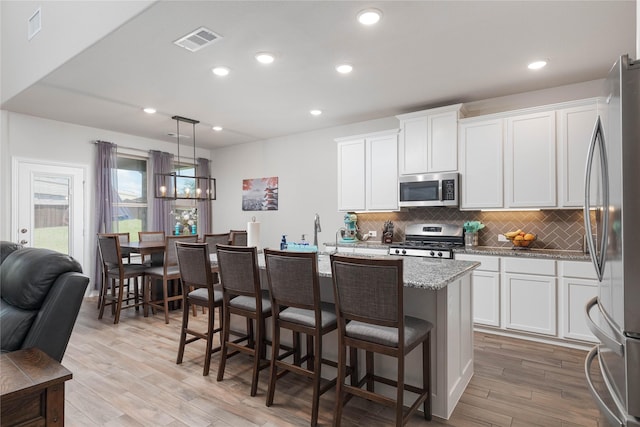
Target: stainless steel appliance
x=438 y=189
x=429 y=240
x=611 y=211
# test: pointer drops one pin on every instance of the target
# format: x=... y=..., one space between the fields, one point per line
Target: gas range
x=429 y=240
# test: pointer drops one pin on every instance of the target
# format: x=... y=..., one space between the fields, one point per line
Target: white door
x=48 y=202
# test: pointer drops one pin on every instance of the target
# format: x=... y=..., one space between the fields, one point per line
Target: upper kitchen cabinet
x=368 y=172
x=480 y=159
x=575 y=127
x=428 y=140
x=530 y=161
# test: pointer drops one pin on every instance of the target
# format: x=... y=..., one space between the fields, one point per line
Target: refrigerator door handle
x=608 y=413
x=597 y=257
x=612 y=343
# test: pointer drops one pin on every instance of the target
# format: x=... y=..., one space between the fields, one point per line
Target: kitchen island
x=437 y=290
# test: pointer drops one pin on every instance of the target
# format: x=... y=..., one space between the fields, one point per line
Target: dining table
x=153 y=248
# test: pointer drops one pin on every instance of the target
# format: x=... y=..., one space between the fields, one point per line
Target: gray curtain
x=106 y=196
x=161 y=220
x=204 y=207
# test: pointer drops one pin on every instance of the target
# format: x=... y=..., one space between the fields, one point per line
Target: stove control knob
x=404 y=252
x=397 y=251
x=432 y=253
x=440 y=254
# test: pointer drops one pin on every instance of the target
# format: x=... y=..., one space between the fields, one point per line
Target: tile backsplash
x=555 y=229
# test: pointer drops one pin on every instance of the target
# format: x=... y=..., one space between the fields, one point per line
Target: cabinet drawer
x=487 y=263
x=530 y=266
x=579 y=269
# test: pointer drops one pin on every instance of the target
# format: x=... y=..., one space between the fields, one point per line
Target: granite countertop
x=525 y=253
x=487 y=250
x=422 y=273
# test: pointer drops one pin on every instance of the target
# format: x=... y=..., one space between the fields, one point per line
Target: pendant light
x=175 y=185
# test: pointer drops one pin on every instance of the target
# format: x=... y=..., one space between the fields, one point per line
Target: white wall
x=40 y=139
x=68 y=27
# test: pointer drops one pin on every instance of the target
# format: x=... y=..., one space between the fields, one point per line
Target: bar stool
x=295 y=299
x=238 y=237
x=369 y=296
x=243 y=296
x=195 y=273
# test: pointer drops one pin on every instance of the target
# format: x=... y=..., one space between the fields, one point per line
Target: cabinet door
x=530 y=303
x=442 y=146
x=481 y=164
x=530 y=161
x=413 y=145
x=486 y=298
x=574 y=134
x=382 y=173
x=576 y=293
x=351 y=175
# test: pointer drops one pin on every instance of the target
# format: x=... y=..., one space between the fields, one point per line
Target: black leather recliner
x=40 y=296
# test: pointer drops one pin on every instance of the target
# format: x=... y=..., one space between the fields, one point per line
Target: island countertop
x=422 y=273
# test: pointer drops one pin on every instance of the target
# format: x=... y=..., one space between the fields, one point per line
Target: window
x=131 y=206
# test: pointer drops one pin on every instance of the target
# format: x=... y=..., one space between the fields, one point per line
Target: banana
x=512 y=234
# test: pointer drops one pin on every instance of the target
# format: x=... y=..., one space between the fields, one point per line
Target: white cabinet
x=382 y=172
x=351 y=175
x=575 y=126
x=530 y=295
x=480 y=160
x=530 y=161
x=428 y=140
x=486 y=289
x=579 y=284
x=368 y=172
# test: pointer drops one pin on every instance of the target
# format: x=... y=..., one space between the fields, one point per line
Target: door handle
x=611 y=343
x=23 y=242
x=608 y=413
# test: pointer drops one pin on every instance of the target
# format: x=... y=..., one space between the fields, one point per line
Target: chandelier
x=176 y=185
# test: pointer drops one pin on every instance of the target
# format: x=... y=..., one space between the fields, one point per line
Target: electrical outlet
x=373 y=233
x=502 y=238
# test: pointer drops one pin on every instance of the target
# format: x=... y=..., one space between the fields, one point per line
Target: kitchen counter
x=525 y=253
x=436 y=290
x=483 y=250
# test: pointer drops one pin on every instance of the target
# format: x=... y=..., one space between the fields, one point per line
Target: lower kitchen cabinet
x=486 y=289
x=579 y=285
x=532 y=297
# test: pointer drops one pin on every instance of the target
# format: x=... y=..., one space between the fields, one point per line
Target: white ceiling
x=421 y=54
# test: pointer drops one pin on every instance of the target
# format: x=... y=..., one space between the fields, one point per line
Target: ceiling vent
x=197 y=39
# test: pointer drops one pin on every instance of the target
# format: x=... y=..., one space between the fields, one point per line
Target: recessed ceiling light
x=149 y=110
x=344 y=68
x=369 y=16
x=264 y=57
x=217 y=128
x=315 y=112
x=536 y=65
x=220 y=71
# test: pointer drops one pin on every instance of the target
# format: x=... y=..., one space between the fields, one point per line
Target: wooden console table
x=31 y=389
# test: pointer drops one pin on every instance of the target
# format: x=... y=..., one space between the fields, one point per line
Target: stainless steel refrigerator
x=612 y=225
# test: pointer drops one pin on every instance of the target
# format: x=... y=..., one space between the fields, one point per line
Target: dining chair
x=151 y=236
x=126 y=254
x=238 y=237
x=243 y=296
x=167 y=272
x=294 y=288
x=214 y=239
x=369 y=306
x=198 y=289
x=115 y=273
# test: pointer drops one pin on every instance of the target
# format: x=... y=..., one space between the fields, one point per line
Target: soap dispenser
x=283 y=242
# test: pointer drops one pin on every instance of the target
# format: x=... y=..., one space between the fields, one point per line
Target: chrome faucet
x=316 y=229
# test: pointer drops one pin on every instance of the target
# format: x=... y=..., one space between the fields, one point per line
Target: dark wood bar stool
x=243 y=296
x=369 y=305
x=198 y=289
x=295 y=298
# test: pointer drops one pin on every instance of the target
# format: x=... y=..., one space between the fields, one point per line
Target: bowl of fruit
x=520 y=239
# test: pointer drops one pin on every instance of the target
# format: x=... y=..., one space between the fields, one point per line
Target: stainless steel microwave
x=437 y=189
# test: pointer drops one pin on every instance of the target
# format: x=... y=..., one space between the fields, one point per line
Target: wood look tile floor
x=126 y=375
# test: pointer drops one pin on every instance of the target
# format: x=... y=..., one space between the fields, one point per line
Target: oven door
x=428 y=190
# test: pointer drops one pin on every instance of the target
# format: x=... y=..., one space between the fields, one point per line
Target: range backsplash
x=555 y=229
